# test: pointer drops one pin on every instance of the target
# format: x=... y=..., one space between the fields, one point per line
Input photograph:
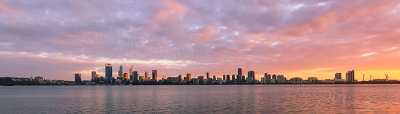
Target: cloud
x=368 y=54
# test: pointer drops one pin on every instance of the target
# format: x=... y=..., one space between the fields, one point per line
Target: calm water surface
x=201 y=99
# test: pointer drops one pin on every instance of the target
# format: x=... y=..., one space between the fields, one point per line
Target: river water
x=354 y=98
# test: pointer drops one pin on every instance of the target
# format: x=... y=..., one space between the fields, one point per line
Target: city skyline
x=56 y=39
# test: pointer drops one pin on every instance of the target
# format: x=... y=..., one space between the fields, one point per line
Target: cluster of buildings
x=133 y=77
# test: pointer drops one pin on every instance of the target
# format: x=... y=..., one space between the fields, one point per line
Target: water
x=201 y=99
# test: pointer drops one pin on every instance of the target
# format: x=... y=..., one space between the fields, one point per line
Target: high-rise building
x=228 y=78
x=146 y=75
x=238 y=78
x=78 y=78
x=280 y=79
x=135 y=76
x=224 y=77
x=240 y=71
x=214 y=78
x=350 y=76
x=126 y=76
x=267 y=78
x=120 y=71
x=208 y=75
x=201 y=79
x=274 y=78
x=154 y=74
x=94 y=76
x=131 y=70
x=251 y=74
x=180 y=78
x=233 y=78
x=108 y=73
x=188 y=77
x=338 y=76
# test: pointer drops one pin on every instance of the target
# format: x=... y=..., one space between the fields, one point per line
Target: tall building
x=267 y=78
x=208 y=75
x=280 y=79
x=233 y=78
x=146 y=75
x=238 y=78
x=240 y=71
x=350 y=76
x=78 y=78
x=274 y=78
x=108 y=72
x=228 y=78
x=131 y=70
x=201 y=79
x=94 y=76
x=154 y=74
x=251 y=74
x=180 y=78
x=214 y=78
x=135 y=76
x=338 y=76
x=120 y=71
x=188 y=77
x=126 y=76
x=224 y=77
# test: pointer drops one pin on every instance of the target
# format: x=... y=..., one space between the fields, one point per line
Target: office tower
x=135 y=76
x=240 y=71
x=338 y=76
x=224 y=77
x=238 y=78
x=228 y=78
x=214 y=78
x=267 y=78
x=201 y=79
x=251 y=74
x=154 y=74
x=274 y=78
x=233 y=78
x=94 y=76
x=146 y=75
x=126 y=76
x=108 y=72
x=78 y=78
x=188 y=77
x=131 y=70
x=350 y=76
x=243 y=78
x=120 y=71
x=208 y=75
x=180 y=78
x=280 y=79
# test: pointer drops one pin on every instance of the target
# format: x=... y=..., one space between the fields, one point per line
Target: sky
x=297 y=38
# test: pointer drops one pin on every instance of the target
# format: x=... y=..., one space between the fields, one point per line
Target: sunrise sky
x=298 y=38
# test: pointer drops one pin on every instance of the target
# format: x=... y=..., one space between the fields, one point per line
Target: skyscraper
x=154 y=74
x=267 y=78
x=350 y=76
x=108 y=73
x=188 y=77
x=228 y=78
x=224 y=77
x=126 y=76
x=208 y=75
x=78 y=78
x=240 y=71
x=94 y=76
x=338 y=76
x=251 y=75
x=131 y=70
x=146 y=75
x=120 y=71
x=135 y=77
x=274 y=78
x=233 y=78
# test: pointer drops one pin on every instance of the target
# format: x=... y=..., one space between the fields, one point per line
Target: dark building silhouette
x=338 y=75
x=240 y=71
x=154 y=74
x=108 y=72
x=251 y=75
x=350 y=76
x=78 y=78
